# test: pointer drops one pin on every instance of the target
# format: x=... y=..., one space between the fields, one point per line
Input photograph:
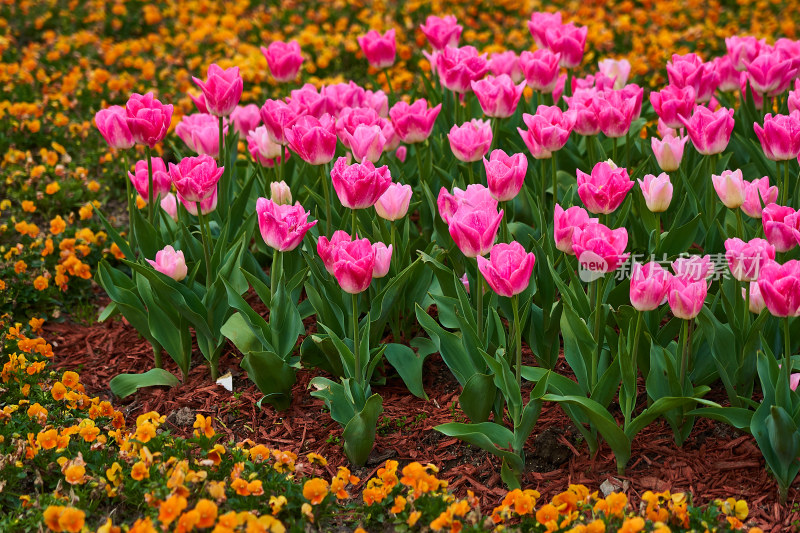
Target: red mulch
x=715 y=462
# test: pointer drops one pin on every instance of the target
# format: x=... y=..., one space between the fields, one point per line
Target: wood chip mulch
x=715 y=462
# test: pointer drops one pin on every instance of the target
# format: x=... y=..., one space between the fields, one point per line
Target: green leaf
x=409 y=366
x=737 y=417
x=477 y=397
x=123 y=385
x=272 y=375
x=359 y=433
x=678 y=240
x=450 y=347
x=487 y=436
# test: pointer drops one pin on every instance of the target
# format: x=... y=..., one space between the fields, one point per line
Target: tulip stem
x=631 y=405
x=389 y=83
x=206 y=254
x=543 y=182
x=598 y=291
x=614 y=151
x=495 y=129
x=787 y=350
x=327 y=194
x=554 y=168
x=393 y=259
x=356 y=351
x=517 y=338
x=685 y=352
x=590 y=150
x=355 y=223
x=275 y=275
x=129 y=197
x=785 y=188
x=157 y=357
x=471 y=173
x=479 y=301
x=221 y=156
x=149 y=185
x=740 y=224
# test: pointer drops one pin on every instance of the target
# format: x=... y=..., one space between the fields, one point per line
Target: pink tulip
x=309 y=101
x=470 y=141
x=617 y=113
x=794 y=380
x=505 y=174
x=351 y=262
x=383 y=260
x=770 y=74
x=360 y=185
x=498 y=96
x=633 y=92
x=283 y=59
x=474 y=229
x=222 y=89
x=441 y=32
x=147 y=118
x=282 y=226
x=161 y=181
x=603 y=191
x=169 y=203
x=380 y=50
x=401 y=153
x=207 y=205
x=378 y=101
x=278 y=117
x=710 y=131
x=199 y=102
x=200 y=132
x=413 y=123
x=195 y=178
x=756 y=304
x=341 y=95
x=586 y=104
x=558 y=92
x=245 y=118
x=459 y=67
x=475 y=196
x=693 y=268
x=742 y=50
x=536 y=150
x=780 y=287
x=171 y=263
x=508 y=63
x=780 y=136
x=569 y=41
x=730 y=188
x=549 y=127
x=672 y=103
x=690 y=71
x=264 y=150
x=113 y=126
x=745 y=259
x=393 y=204
x=352 y=117
x=657 y=192
x=686 y=298
x=598 y=248
x=729 y=77
x=565 y=223
x=758 y=193
x=465 y=282
x=649 y=285
x=617 y=69
x=540 y=22
x=508 y=269
x=794 y=97
x=664 y=130
x=540 y=69
x=366 y=142
x=280 y=193
x=781 y=227
x=669 y=151
x=314 y=140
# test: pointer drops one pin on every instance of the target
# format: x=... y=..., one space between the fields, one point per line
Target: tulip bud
x=280 y=193
x=383 y=259
x=730 y=188
x=170 y=263
x=657 y=192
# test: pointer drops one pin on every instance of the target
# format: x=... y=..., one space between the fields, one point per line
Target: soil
x=716 y=461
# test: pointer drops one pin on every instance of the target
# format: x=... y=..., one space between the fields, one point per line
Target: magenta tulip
x=770 y=74
x=401 y=153
x=353 y=264
x=147 y=119
x=283 y=59
x=710 y=131
x=309 y=101
x=673 y=102
x=569 y=41
x=729 y=77
x=441 y=32
x=264 y=150
x=393 y=204
x=383 y=259
x=413 y=123
x=565 y=223
x=649 y=285
x=161 y=180
x=758 y=193
x=657 y=192
x=508 y=269
x=360 y=185
x=781 y=226
x=549 y=127
x=378 y=101
x=471 y=141
x=794 y=97
x=780 y=288
x=693 y=267
x=314 y=140
x=669 y=151
x=690 y=71
x=600 y=249
x=539 y=24
x=686 y=297
x=200 y=132
x=222 y=89
x=742 y=50
x=113 y=126
x=540 y=69
x=508 y=63
x=505 y=174
x=616 y=113
x=278 y=117
x=780 y=136
x=171 y=263
x=326 y=248
x=730 y=188
x=282 y=226
x=474 y=229
x=207 y=205
x=195 y=178
x=586 y=104
x=245 y=118
x=475 y=196
x=498 y=96
x=745 y=259
x=603 y=191
x=459 y=67
x=380 y=50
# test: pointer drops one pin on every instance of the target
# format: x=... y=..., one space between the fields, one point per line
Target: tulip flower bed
x=54 y=436
x=547 y=227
